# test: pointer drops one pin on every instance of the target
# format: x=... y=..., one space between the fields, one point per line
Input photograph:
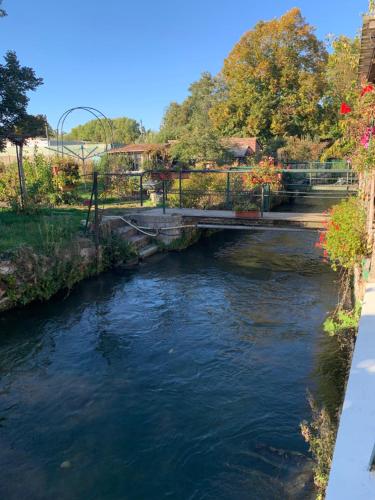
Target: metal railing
x=214 y=189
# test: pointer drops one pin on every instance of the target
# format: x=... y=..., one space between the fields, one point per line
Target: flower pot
x=248 y=214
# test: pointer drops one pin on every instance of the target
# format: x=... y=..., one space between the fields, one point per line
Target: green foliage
x=343 y=322
x=116 y=251
x=301 y=149
x=321 y=435
x=38 y=230
x=339 y=150
x=274 y=81
x=193 y=112
x=9 y=186
x=200 y=145
x=200 y=191
x=189 y=123
x=15 y=83
x=345 y=239
x=125 y=130
x=27 y=127
x=341 y=83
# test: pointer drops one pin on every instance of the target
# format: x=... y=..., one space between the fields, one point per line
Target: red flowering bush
x=264 y=173
x=344 y=240
x=360 y=130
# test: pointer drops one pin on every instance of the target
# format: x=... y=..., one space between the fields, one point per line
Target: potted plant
x=66 y=174
x=247 y=210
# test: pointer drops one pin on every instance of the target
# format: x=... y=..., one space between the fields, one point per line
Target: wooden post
x=141 y=188
x=21 y=174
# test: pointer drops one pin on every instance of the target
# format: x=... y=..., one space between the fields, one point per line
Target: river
x=184 y=378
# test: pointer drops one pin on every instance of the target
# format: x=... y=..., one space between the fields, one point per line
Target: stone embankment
x=26 y=275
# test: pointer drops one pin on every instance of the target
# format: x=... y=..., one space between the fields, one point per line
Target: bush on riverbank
x=344 y=241
x=56 y=259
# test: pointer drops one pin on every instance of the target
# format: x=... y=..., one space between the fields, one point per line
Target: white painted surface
x=350 y=477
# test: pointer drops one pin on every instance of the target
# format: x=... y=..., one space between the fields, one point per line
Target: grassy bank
x=38 y=231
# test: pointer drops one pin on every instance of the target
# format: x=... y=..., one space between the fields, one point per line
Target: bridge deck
x=227 y=218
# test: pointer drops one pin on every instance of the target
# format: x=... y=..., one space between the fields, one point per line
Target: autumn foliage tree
x=275 y=80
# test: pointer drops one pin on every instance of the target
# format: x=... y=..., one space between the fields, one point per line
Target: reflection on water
x=184 y=379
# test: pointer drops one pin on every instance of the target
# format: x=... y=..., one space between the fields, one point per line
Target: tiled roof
x=241 y=146
x=138 y=148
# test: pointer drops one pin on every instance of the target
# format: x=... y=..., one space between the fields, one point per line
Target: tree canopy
x=15 y=82
x=275 y=80
x=190 y=124
x=125 y=131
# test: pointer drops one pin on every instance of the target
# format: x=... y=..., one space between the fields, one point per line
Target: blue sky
x=132 y=58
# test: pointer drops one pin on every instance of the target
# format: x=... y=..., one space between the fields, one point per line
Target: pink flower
x=365 y=139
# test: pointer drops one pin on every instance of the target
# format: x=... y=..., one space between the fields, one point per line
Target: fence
x=217 y=189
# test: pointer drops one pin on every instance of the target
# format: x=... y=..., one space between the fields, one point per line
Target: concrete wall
x=351 y=477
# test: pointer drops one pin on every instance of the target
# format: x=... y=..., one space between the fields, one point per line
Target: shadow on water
x=183 y=379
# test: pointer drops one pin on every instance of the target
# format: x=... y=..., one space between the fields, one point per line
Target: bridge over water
x=227 y=219
x=309 y=192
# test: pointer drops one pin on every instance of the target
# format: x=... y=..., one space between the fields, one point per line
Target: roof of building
x=241 y=146
x=138 y=148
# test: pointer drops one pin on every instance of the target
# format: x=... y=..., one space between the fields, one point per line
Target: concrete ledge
x=351 y=477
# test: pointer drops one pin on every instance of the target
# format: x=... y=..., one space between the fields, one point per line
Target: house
x=242 y=147
x=142 y=154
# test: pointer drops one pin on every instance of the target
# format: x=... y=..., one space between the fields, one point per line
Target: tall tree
x=15 y=82
x=275 y=80
x=190 y=124
x=125 y=130
x=342 y=81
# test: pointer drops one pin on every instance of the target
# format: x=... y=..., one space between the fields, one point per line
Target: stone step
x=148 y=250
x=126 y=232
x=138 y=241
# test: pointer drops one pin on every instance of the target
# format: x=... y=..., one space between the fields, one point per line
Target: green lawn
x=40 y=231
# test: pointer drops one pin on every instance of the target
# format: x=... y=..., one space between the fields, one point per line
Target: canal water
x=185 y=378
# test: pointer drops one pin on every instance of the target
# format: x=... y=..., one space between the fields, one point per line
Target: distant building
x=240 y=147
x=140 y=154
x=51 y=147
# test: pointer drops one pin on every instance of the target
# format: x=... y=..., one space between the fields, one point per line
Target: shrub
x=301 y=150
x=9 y=186
x=320 y=433
x=344 y=241
x=264 y=173
x=204 y=190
